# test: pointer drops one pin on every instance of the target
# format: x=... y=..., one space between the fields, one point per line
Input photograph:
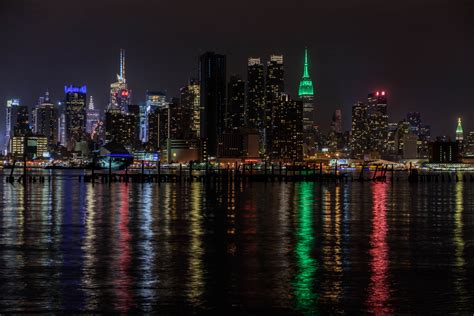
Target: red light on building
x=383 y=92
x=377 y=93
x=124 y=93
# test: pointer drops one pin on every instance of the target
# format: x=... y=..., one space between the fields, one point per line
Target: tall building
x=190 y=99
x=45 y=120
x=120 y=95
x=235 y=103
x=274 y=88
x=359 y=130
x=255 y=107
x=377 y=116
x=153 y=100
x=414 y=118
x=121 y=127
x=306 y=93
x=75 y=114
x=335 y=134
x=459 y=131
x=287 y=130
x=212 y=78
x=17 y=120
x=93 y=117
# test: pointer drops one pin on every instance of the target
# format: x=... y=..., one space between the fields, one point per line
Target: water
x=302 y=248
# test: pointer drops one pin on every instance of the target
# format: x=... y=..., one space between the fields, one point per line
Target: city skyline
x=343 y=63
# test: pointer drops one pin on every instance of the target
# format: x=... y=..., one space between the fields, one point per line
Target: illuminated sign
x=124 y=93
x=74 y=89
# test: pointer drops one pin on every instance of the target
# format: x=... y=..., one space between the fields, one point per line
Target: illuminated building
x=75 y=114
x=154 y=100
x=157 y=129
x=239 y=144
x=45 y=120
x=35 y=146
x=469 y=148
x=255 y=108
x=377 y=117
x=17 y=120
x=274 y=88
x=120 y=96
x=444 y=152
x=235 y=103
x=306 y=93
x=287 y=130
x=459 y=132
x=414 y=118
x=182 y=150
x=359 y=130
x=93 y=117
x=212 y=79
x=190 y=99
x=121 y=127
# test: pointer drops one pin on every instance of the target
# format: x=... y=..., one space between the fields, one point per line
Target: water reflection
x=379 y=288
x=304 y=280
x=248 y=248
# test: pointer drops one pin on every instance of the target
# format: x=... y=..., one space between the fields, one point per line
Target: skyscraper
x=93 y=116
x=45 y=121
x=459 y=131
x=75 y=114
x=121 y=127
x=17 y=120
x=120 y=96
x=306 y=93
x=377 y=116
x=287 y=129
x=255 y=107
x=212 y=78
x=235 y=103
x=154 y=100
x=274 y=88
x=359 y=130
x=190 y=99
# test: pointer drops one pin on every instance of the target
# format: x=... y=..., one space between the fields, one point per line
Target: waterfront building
x=154 y=100
x=75 y=114
x=240 y=144
x=444 y=152
x=34 y=146
x=212 y=78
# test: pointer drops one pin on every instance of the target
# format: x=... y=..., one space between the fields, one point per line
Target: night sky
x=421 y=52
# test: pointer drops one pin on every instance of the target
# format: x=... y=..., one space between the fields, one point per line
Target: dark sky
x=420 y=51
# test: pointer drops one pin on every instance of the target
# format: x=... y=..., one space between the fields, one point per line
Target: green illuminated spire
x=459 y=131
x=306 y=84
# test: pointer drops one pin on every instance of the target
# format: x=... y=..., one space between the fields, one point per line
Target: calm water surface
x=302 y=248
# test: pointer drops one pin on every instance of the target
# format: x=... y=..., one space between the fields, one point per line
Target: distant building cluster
x=221 y=117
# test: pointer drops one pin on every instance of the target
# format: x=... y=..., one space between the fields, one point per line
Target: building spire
x=91 y=103
x=459 y=131
x=122 y=65
x=306 y=84
x=305 y=71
